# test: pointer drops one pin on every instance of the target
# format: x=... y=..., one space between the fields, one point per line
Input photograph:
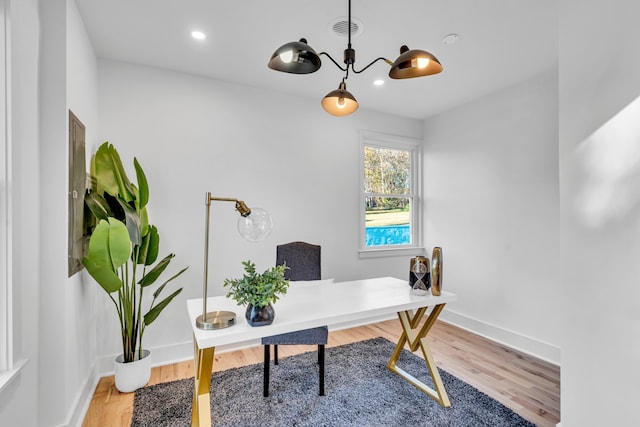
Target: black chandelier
x=299 y=58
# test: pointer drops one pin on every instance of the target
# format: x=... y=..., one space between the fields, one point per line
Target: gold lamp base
x=216 y=320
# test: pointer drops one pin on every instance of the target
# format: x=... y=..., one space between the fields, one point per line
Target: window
x=390 y=197
x=5 y=271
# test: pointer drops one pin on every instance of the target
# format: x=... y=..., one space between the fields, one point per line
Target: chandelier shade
x=296 y=58
x=414 y=63
x=340 y=102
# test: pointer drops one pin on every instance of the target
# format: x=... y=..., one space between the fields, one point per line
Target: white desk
x=308 y=306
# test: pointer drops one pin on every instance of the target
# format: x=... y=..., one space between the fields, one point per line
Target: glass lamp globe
x=255 y=226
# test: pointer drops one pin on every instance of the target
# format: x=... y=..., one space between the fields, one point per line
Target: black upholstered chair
x=303 y=260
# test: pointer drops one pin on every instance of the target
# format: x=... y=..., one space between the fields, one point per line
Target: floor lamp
x=254 y=225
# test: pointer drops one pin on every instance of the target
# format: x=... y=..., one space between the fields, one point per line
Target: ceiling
x=501 y=42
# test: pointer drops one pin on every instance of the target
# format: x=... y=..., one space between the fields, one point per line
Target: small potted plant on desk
x=258 y=292
x=122 y=254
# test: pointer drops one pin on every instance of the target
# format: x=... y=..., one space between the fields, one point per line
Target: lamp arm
x=371 y=63
x=334 y=61
x=210 y=198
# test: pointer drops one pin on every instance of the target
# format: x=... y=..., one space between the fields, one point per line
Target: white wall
x=282 y=153
x=600 y=205
x=81 y=298
x=64 y=322
x=18 y=398
x=492 y=204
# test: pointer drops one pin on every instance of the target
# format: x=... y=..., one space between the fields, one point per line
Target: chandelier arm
x=371 y=63
x=333 y=60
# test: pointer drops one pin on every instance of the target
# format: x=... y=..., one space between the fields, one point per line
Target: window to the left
x=5 y=206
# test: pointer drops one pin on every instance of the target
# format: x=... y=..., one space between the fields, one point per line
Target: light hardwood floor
x=528 y=386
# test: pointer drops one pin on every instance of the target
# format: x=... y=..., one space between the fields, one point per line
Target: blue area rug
x=360 y=391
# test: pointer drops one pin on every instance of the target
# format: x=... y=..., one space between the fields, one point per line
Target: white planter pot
x=133 y=375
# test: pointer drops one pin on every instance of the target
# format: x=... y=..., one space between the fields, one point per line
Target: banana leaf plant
x=123 y=246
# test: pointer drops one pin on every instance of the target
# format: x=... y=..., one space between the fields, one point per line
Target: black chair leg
x=275 y=354
x=321 y=363
x=267 y=361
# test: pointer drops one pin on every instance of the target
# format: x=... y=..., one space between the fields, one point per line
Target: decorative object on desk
x=258 y=292
x=420 y=270
x=254 y=225
x=412 y=276
x=260 y=316
x=361 y=392
x=436 y=271
x=123 y=249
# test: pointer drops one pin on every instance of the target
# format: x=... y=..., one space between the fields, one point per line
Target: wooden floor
x=527 y=385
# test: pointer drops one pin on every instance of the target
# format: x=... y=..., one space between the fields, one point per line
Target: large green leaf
x=148 y=250
x=155 y=311
x=144 y=221
x=104 y=275
x=109 y=245
x=99 y=246
x=97 y=205
x=119 y=243
x=132 y=221
x=143 y=186
x=110 y=173
x=153 y=275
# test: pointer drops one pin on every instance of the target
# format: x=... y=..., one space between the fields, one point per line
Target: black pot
x=260 y=316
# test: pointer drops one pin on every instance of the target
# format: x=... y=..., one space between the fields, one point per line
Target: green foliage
x=386 y=172
x=258 y=289
x=123 y=244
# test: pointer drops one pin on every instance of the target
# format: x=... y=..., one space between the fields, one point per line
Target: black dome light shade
x=295 y=57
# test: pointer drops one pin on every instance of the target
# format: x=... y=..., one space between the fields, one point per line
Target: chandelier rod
x=350 y=54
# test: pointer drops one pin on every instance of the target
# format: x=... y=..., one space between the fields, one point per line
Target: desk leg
x=201 y=407
x=410 y=323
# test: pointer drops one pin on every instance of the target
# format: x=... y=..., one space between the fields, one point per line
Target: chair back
x=303 y=260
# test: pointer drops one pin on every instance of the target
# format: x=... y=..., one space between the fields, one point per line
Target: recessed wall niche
x=77 y=173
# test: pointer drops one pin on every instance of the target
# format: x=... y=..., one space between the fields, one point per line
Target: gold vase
x=436 y=271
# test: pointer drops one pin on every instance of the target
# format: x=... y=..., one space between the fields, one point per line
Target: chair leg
x=321 y=363
x=275 y=354
x=267 y=361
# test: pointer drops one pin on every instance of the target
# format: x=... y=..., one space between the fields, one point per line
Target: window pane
x=387 y=221
x=386 y=170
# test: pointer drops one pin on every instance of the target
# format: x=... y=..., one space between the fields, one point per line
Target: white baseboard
x=539 y=349
x=79 y=409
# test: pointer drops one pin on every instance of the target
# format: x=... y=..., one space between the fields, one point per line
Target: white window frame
x=394 y=142
x=7 y=368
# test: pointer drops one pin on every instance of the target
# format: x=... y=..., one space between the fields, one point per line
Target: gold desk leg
x=410 y=323
x=201 y=407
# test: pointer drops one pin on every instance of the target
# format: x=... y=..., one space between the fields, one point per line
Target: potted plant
x=258 y=292
x=121 y=257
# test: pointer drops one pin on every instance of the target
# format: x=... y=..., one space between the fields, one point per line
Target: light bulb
x=340 y=103
x=256 y=226
x=420 y=62
x=287 y=56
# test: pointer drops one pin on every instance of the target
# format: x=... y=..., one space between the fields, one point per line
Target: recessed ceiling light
x=198 y=35
x=450 y=39
x=378 y=82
